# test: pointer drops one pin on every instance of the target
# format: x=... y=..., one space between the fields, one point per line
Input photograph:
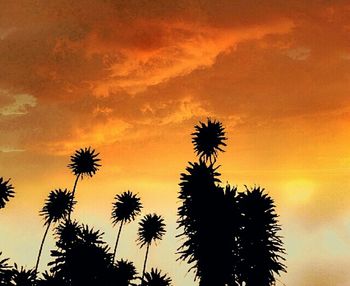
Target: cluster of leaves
x=81 y=256
x=230 y=237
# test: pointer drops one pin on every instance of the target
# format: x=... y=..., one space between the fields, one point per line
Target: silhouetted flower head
x=91 y=236
x=126 y=207
x=23 y=277
x=5 y=271
x=208 y=139
x=57 y=205
x=67 y=233
x=50 y=279
x=6 y=192
x=85 y=162
x=151 y=227
x=155 y=278
x=125 y=272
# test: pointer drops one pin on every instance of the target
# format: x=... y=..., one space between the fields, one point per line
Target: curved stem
x=116 y=243
x=41 y=247
x=144 y=264
x=73 y=194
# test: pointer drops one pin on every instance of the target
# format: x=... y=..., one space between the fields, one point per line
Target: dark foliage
x=156 y=278
x=151 y=228
x=261 y=248
x=208 y=218
x=23 y=277
x=84 y=162
x=125 y=273
x=5 y=271
x=6 y=192
x=208 y=139
x=126 y=207
x=57 y=205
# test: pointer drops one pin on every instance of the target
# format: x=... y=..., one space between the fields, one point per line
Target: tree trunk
x=73 y=193
x=41 y=247
x=118 y=236
x=144 y=264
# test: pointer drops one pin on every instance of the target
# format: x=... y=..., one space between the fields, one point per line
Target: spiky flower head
x=125 y=272
x=208 y=139
x=57 y=205
x=84 y=162
x=23 y=277
x=126 y=207
x=151 y=228
x=6 y=192
x=67 y=233
x=155 y=278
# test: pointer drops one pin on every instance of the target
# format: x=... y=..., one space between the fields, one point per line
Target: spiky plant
x=156 y=278
x=124 y=210
x=84 y=162
x=125 y=273
x=23 y=277
x=151 y=228
x=208 y=139
x=84 y=261
x=261 y=248
x=50 y=279
x=6 y=192
x=56 y=207
x=5 y=271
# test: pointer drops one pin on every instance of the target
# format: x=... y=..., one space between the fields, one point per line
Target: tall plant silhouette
x=6 y=192
x=84 y=162
x=207 y=215
x=23 y=277
x=261 y=248
x=125 y=208
x=125 y=273
x=156 y=278
x=151 y=228
x=57 y=206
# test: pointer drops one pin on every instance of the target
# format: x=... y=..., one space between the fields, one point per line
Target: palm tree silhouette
x=23 y=277
x=151 y=228
x=84 y=162
x=155 y=278
x=57 y=206
x=125 y=273
x=261 y=248
x=5 y=271
x=125 y=208
x=6 y=192
x=208 y=140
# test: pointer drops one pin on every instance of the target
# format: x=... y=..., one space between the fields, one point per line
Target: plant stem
x=73 y=193
x=144 y=264
x=118 y=236
x=41 y=247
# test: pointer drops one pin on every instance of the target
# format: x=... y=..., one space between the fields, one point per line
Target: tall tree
x=84 y=162
x=124 y=210
x=261 y=248
x=151 y=228
x=6 y=192
x=57 y=206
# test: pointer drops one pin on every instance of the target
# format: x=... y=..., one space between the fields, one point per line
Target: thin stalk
x=41 y=247
x=118 y=236
x=144 y=264
x=73 y=194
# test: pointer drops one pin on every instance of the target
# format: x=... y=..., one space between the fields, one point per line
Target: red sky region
x=131 y=78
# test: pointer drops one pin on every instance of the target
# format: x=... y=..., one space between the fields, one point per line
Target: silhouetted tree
x=50 y=279
x=57 y=206
x=84 y=261
x=22 y=277
x=125 y=208
x=6 y=192
x=84 y=162
x=125 y=273
x=155 y=278
x=261 y=248
x=5 y=271
x=151 y=228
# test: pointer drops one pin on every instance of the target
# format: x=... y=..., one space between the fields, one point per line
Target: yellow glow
x=299 y=191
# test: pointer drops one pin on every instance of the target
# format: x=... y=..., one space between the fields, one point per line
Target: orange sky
x=131 y=78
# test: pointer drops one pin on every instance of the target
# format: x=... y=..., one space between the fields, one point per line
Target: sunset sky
x=131 y=78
